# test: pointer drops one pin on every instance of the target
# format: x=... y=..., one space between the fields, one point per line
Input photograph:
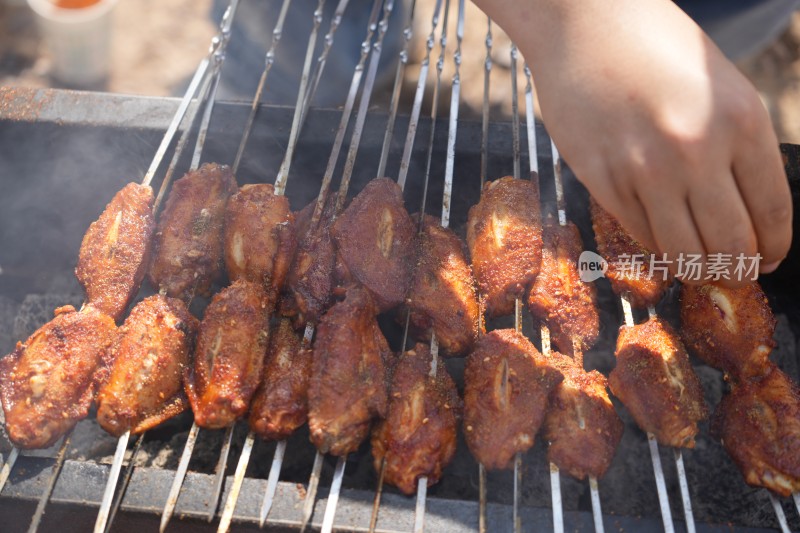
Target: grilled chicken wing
x=375 y=239
x=581 y=424
x=259 y=236
x=349 y=375
x=115 y=250
x=506 y=386
x=657 y=384
x=48 y=383
x=504 y=233
x=730 y=329
x=150 y=353
x=558 y=297
x=643 y=288
x=229 y=354
x=759 y=424
x=280 y=405
x=309 y=287
x=187 y=254
x=418 y=437
x=442 y=295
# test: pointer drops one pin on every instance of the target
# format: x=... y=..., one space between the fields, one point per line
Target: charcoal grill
x=66 y=153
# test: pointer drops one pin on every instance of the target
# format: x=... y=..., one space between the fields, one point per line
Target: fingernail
x=769 y=268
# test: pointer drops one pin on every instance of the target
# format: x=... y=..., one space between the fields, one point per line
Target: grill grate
x=81 y=482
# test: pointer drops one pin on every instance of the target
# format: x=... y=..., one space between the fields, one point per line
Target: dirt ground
x=157 y=44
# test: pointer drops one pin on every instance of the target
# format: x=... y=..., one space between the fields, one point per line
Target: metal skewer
x=199 y=75
x=555 y=474
x=484 y=175
x=415 y=110
x=238 y=478
x=277 y=458
x=776 y=505
x=299 y=110
x=515 y=111
x=419 y=509
x=311 y=492
x=269 y=59
x=183 y=465
x=796 y=498
x=51 y=483
x=398 y=85
x=663 y=498
x=422 y=482
x=355 y=140
x=323 y=58
x=272 y=482
x=125 y=481
x=304 y=98
x=683 y=482
x=5 y=471
x=487 y=71
x=180 y=474
x=218 y=43
x=333 y=497
x=219 y=473
x=685 y=494
x=216 y=51
x=597 y=510
x=313 y=483
x=111 y=484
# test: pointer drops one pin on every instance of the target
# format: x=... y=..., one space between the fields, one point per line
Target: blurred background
x=157 y=44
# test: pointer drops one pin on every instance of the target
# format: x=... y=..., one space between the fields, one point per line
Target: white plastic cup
x=78 y=40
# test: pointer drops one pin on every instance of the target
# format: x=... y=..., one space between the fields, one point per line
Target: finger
x=761 y=179
x=629 y=212
x=724 y=225
x=676 y=234
x=633 y=219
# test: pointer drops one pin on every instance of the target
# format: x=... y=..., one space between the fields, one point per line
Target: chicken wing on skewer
x=374 y=237
x=418 y=437
x=230 y=354
x=730 y=329
x=581 y=424
x=309 y=286
x=643 y=287
x=506 y=386
x=349 y=375
x=48 y=383
x=442 y=296
x=115 y=251
x=504 y=234
x=187 y=253
x=150 y=353
x=558 y=296
x=259 y=236
x=280 y=404
x=759 y=424
x=656 y=383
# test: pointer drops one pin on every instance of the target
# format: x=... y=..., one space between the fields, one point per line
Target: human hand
x=662 y=129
